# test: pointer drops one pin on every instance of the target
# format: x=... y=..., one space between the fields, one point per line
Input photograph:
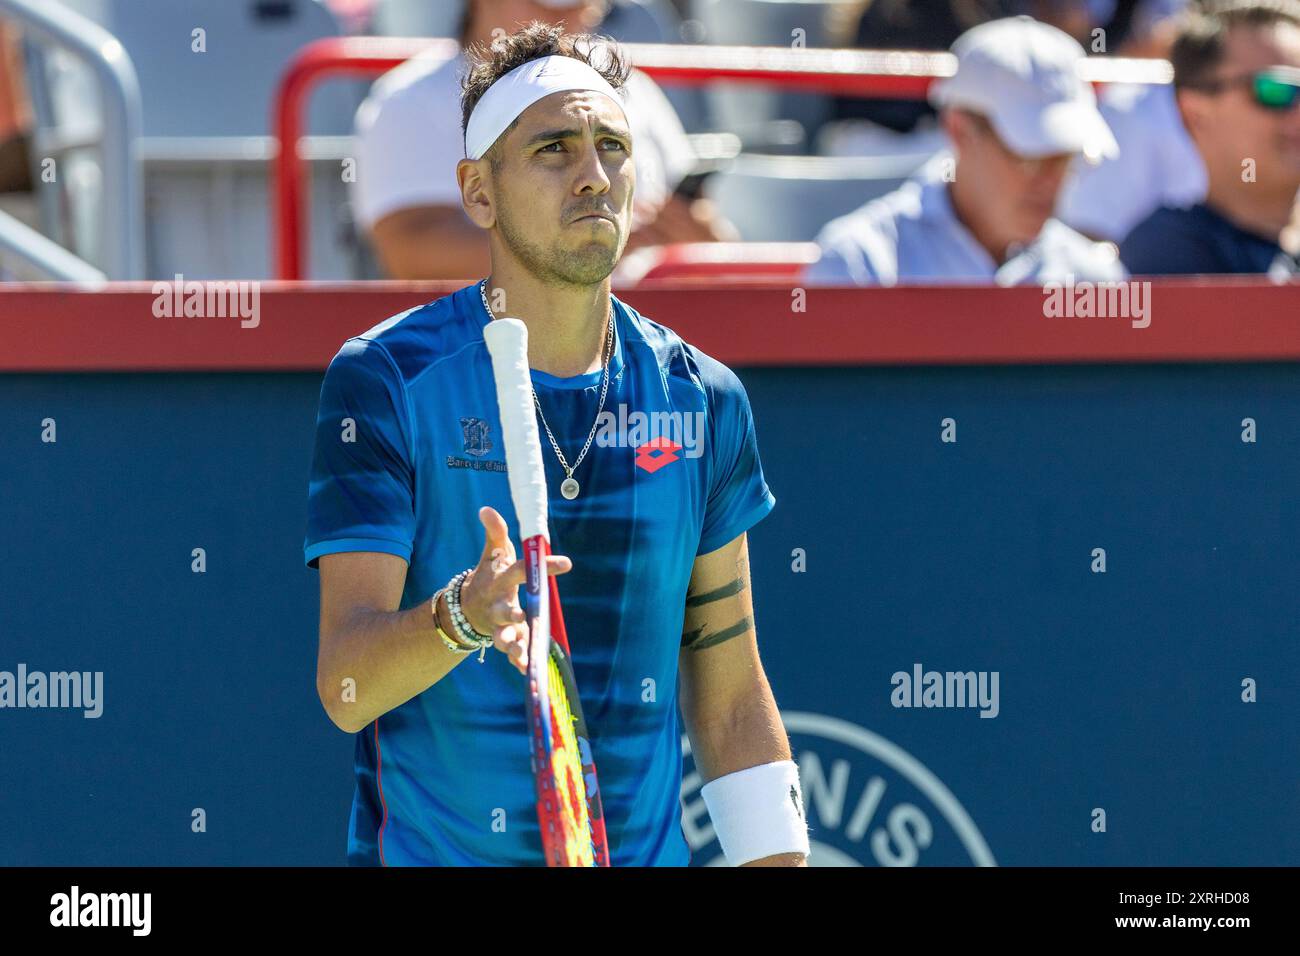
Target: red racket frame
x=536 y=551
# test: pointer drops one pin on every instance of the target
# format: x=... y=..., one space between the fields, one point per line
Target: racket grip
x=507 y=342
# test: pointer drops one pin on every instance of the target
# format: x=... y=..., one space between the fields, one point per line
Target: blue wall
x=1119 y=690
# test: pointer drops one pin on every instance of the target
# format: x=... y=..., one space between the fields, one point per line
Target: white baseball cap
x=1023 y=75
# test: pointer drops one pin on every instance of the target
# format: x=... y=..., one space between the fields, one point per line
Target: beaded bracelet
x=451 y=644
x=464 y=630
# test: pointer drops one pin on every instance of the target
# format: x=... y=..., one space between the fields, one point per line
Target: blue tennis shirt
x=408 y=448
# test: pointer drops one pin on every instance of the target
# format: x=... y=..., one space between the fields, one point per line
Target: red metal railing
x=874 y=73
x=747 y=324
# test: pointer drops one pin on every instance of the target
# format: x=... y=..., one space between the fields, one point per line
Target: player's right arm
x=373 y=657
x=361 y=529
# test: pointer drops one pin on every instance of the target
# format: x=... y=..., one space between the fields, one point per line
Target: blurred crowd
x=1038 y=182
x=1032 y=176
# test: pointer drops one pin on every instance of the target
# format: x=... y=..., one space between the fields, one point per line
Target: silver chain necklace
x=569 y=487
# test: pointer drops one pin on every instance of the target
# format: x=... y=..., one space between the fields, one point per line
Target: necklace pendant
x=569 y=488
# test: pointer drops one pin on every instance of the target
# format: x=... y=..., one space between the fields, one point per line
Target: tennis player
x=422 y=640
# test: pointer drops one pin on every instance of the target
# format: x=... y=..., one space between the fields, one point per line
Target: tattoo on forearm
x=717 y=594
x=698 y=640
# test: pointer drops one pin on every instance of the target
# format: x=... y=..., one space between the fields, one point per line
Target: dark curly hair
x=536 y=40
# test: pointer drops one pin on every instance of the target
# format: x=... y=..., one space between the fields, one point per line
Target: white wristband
x=758 y=812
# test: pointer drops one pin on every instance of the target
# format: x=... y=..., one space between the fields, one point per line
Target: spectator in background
x=1129 y=27
x=1144 y=28
x=1237 y=77
x=1158 y=164
x=1017 y=115
x=409 y=140
x=15 y=115
x=1122 y=27
x=912 y=25
x=1077 y=18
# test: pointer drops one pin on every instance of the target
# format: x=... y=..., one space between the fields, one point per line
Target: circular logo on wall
x=868 y=802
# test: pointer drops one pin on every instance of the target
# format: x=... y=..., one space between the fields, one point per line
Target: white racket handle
x=507 y=342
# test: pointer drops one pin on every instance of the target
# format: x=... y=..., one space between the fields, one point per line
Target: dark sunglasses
x=1274 y=89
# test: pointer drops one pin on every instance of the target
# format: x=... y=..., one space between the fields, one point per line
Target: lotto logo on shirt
x=658 y=438
x=656 y=453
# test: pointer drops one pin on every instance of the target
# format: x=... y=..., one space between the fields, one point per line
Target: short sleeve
x=408 y=142
x=738 y=493
x=361 y=496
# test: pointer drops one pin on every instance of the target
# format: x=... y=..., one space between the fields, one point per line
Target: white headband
x=521 y=88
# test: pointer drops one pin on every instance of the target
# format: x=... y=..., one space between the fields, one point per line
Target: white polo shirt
x=913 y=235
x=409 y=139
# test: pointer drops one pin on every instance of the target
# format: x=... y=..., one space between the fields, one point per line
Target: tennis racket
x=568 y=795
